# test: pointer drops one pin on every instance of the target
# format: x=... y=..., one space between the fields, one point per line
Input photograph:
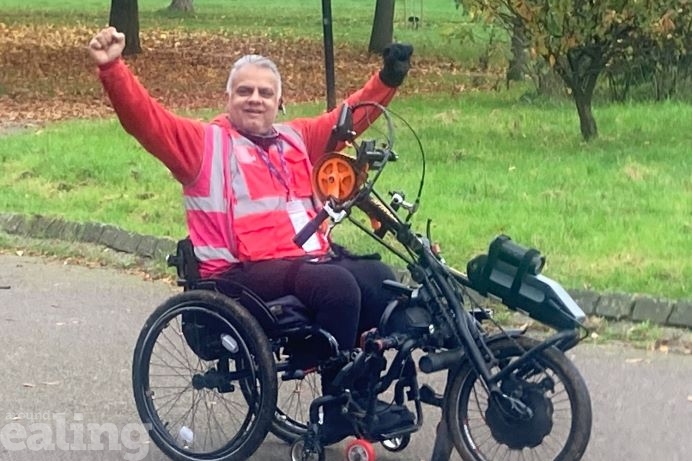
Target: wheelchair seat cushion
x=289 y=312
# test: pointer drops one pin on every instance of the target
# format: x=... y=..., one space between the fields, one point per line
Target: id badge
x=299 y=218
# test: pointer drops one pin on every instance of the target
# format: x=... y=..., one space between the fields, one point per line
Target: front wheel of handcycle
x=204 y=378
x=485 y=428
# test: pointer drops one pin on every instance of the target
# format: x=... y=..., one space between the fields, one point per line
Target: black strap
x=522 y=270
x=493 y=257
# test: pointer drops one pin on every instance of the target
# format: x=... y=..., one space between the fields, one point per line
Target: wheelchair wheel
x=293 y=404
x=204 y=378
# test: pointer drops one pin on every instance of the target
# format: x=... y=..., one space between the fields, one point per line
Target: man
x=247 y=185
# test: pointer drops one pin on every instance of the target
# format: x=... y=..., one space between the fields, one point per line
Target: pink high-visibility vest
x=239 y=209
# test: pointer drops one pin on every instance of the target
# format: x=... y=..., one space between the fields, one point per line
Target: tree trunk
x=181 y=5
x=580 y=70
x=587 y=122
x=382 y=26
x=519 y=63
x=124 y=16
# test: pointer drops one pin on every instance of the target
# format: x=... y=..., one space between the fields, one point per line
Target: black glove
x=396 y=60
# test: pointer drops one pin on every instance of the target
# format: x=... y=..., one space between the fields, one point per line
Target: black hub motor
x=516 y=430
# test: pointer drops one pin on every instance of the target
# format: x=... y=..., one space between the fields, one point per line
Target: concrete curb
x=617 y=306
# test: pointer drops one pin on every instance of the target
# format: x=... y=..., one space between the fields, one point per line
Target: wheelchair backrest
x=275 y=317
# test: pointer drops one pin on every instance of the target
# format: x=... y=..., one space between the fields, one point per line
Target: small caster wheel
x=360 y=450
x=397 y=443
x=302 y=450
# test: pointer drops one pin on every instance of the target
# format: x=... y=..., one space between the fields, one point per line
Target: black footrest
x=401 y=431
x=429 y=396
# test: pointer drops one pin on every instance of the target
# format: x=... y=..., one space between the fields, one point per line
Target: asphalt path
x=68 y=333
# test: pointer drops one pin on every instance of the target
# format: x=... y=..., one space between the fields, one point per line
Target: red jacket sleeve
x=176 y=141
x=316 y=131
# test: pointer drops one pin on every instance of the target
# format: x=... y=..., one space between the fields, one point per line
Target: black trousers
x=344 y=294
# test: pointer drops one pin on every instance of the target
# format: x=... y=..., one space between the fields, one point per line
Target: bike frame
x=440 y=289
x=438 y=280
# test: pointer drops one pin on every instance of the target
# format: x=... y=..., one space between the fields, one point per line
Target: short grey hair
x=256 y=60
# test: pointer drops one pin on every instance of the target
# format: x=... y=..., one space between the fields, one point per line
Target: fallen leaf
x=28 y=385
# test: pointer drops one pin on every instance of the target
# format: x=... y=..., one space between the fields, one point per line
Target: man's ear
x=282 y=108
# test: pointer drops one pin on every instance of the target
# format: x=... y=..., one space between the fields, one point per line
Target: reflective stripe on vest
x=215 y=201
x=265 y=205
x=209 y=253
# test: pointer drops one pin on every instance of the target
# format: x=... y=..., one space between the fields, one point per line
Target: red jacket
x=180 y=144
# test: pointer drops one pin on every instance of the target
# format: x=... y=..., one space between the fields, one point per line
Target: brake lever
x=336 y=216
x=398 y=201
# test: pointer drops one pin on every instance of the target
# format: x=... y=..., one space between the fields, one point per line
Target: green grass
x=611 y=215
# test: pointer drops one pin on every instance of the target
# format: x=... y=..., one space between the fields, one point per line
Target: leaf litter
x=50 y=76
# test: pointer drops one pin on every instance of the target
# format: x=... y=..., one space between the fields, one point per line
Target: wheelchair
x=215 y=368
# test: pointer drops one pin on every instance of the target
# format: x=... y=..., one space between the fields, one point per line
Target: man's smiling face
x=253 y=102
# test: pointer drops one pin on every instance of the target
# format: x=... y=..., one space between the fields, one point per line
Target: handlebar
x=382 y=344
x=355 y=178
x=311 y=227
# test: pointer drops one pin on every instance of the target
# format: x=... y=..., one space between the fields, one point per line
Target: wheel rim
x=476 y=430
x=335 y=176
x=358 y=453
x=179 y=404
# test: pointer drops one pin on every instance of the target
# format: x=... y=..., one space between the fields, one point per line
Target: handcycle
x=506 y=391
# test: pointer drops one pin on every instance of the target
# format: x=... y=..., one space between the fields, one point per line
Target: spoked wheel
x=292 y=407
x=558 y=426
x=204 y=378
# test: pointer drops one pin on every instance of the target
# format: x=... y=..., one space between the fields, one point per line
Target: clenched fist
x=107 y=45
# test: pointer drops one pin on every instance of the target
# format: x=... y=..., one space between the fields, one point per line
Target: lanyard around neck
x=283 y=178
